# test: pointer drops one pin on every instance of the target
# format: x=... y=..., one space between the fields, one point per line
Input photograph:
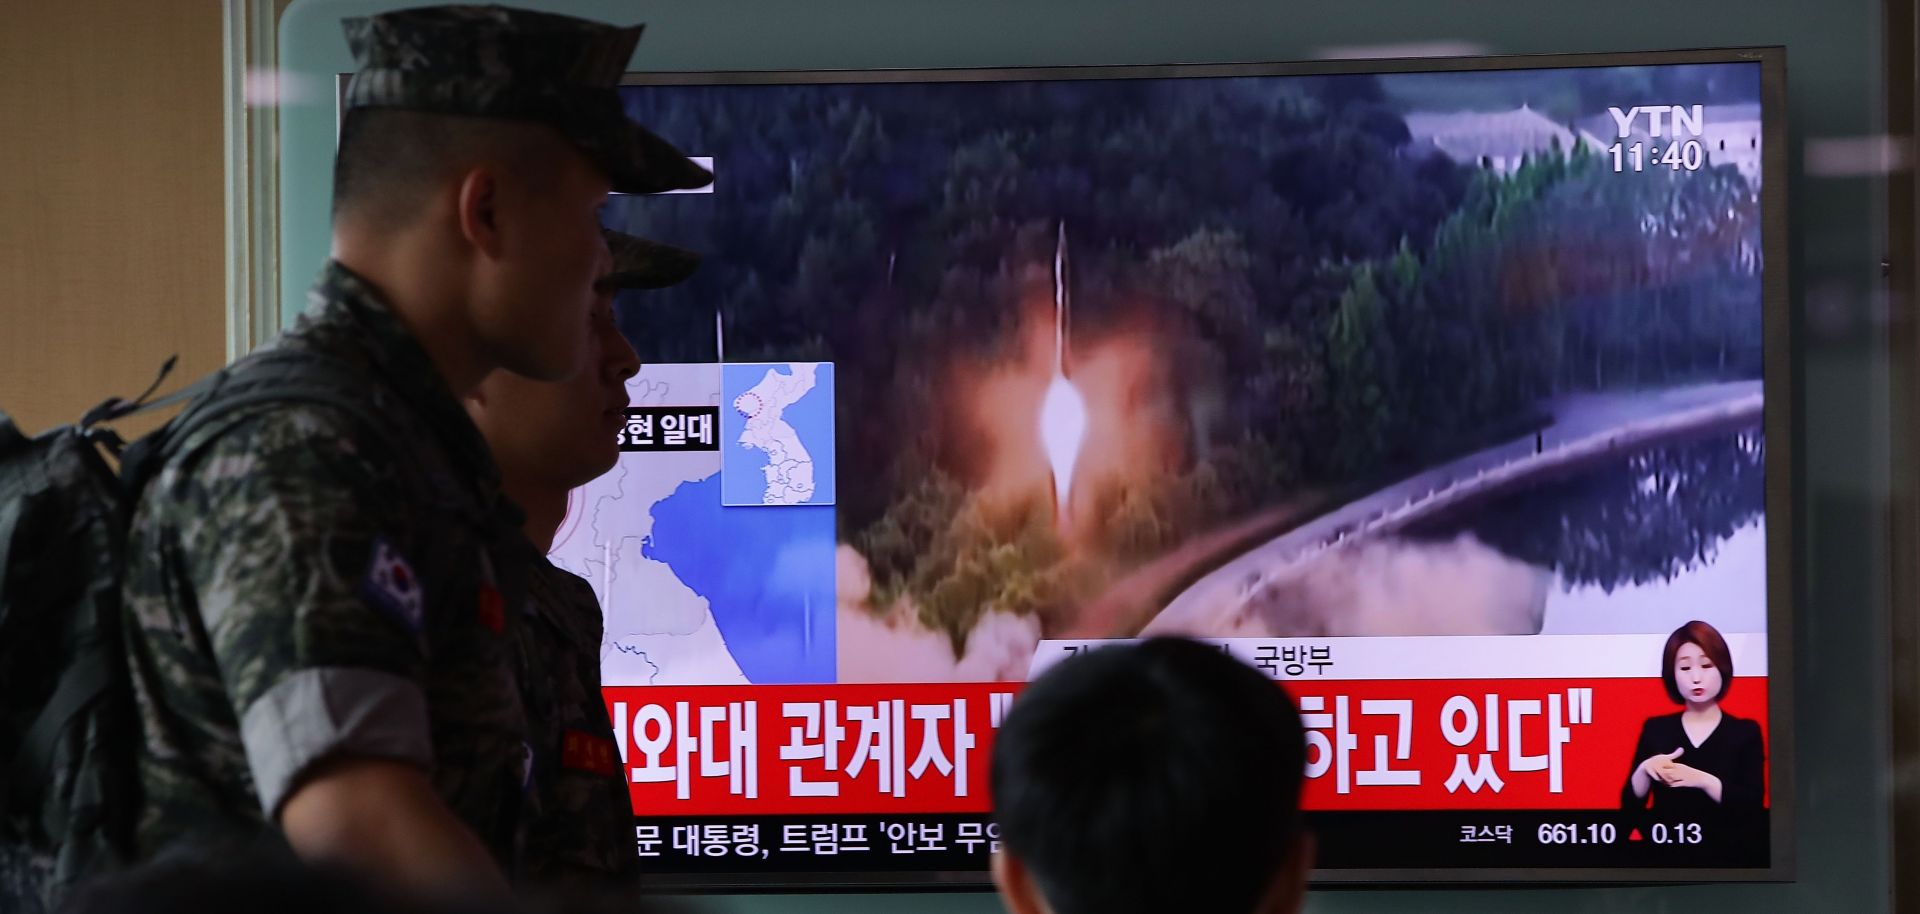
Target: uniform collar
x=343 y=299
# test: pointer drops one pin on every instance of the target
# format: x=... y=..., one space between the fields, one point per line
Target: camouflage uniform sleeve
x=292 y=543
x=583 y=832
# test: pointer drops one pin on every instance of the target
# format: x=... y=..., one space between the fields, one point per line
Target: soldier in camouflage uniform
x=549 y=439
x=321 y=609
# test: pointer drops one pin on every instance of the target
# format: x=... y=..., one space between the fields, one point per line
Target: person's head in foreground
x=1159 y=776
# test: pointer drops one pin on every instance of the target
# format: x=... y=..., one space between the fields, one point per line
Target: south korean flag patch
x=391 y=587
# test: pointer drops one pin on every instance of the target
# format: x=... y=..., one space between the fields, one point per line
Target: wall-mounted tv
x=1444 y=392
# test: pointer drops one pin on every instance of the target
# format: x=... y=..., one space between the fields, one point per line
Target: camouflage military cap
x=642 y=264
x=495 y=61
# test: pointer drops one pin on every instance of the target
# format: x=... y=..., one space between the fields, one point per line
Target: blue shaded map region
x=761 y=417
x=766 y=572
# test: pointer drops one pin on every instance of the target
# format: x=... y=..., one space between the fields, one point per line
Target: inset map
x=776 y=430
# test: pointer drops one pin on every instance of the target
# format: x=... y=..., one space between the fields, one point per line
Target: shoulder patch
x=391 y=586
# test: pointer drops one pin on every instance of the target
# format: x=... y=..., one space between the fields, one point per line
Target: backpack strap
x=92 y=424
x=80 y=686
x=274 y=376
x=116 y=407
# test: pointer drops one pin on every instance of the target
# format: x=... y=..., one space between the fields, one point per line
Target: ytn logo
x=1675 y=118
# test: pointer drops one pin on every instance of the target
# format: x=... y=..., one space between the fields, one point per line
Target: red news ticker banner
x=923 y=748
x=1485 y=743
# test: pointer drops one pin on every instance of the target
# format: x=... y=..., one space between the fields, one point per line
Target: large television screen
x=1443 y=392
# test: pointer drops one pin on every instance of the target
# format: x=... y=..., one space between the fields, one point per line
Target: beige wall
x=111 y=200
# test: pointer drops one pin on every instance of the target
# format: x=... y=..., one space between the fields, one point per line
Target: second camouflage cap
x=496 y=61
x=642 y=264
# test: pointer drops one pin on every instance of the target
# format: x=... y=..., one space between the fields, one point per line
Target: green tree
x=1363 y=373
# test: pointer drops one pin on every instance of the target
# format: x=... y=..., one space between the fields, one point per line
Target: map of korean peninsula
x=695 y=593
x=778 y=434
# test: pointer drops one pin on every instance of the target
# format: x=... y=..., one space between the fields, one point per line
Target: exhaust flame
x=1063 y=426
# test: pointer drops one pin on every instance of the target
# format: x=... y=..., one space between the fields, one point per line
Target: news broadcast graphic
x=1438 y=392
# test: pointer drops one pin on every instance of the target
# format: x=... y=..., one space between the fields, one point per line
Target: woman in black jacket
x=1701 y=762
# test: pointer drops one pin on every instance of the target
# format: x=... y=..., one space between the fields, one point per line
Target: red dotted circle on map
x=748 y=405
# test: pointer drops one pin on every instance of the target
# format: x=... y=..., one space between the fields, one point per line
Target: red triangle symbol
x=1635 y=836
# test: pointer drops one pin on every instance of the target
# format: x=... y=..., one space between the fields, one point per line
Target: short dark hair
x=1708 y=637
x=391 y=161
x=1159 y=776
